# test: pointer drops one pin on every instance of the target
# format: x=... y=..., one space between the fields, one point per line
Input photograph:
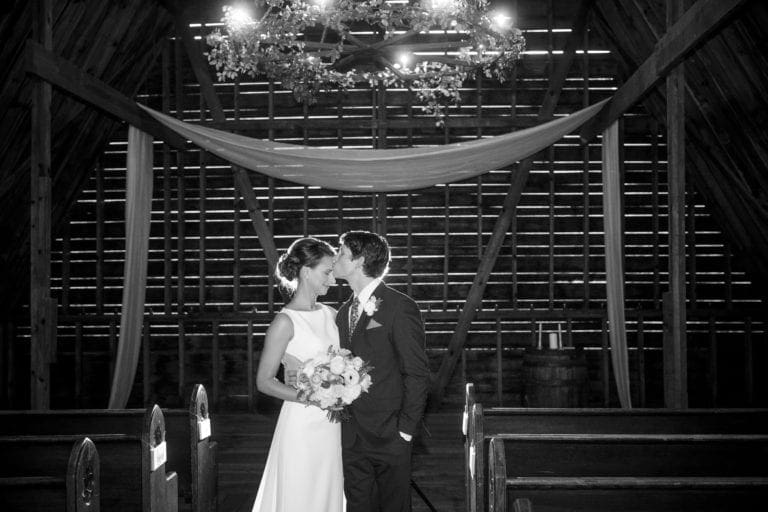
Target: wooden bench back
x=480 y=424
x=659 y=482
x=72 y=487
x=133 y=475
x=188 y=432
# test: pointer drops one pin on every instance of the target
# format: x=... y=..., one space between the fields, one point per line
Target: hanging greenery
x=430 y=46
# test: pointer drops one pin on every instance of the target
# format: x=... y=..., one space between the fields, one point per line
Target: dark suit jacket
x=395 y=347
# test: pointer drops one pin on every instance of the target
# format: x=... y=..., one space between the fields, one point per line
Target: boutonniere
x=372 y=305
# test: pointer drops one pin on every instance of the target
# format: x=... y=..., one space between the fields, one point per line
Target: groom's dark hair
x=372 y=247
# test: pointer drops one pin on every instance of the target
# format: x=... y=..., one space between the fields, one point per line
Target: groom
x=384 y=328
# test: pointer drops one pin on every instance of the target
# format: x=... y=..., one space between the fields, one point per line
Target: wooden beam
x=242 y=180
x=88 y=89
x=697 y=25
x=475 y=295
x=243 y=183
x=41 y=317
x=674 y=342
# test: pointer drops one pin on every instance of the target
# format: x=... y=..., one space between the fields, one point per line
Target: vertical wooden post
x=641 y=359
x=250 y=364
x=675 y=346
x=749 y=366
x=446 y=243
x=182 y=361
x=40 y=222
x=167 y=228
x=585 y=176
x=79 y=364
x=605 y=363
x=712 y=373
x=215 y=362
x=147 y=362
x=99 y=239
x=202 y=181
x=499 y=361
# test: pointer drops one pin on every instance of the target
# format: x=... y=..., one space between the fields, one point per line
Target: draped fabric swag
x=138 y=206
x=361 y=170
x=378 y=170
x=614 y=267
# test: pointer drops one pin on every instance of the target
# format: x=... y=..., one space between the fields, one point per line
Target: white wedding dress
x=303 y=471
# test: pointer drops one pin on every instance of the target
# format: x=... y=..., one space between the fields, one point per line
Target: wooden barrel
x=554 y=378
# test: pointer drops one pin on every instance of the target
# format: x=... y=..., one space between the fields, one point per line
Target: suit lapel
x=343 y=322
x=365 y=319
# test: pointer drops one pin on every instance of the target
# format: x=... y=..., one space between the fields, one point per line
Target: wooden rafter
x=88 y=89
x=698 y=24
x=491 y=252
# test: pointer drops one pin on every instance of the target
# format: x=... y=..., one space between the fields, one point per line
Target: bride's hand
x=291 y=365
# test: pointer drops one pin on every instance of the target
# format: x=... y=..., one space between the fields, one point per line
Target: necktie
x=353 y=315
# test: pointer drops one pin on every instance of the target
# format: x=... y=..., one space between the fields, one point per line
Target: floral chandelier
x=429 y=46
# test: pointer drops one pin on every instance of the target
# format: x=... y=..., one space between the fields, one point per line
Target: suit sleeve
x=409 y=341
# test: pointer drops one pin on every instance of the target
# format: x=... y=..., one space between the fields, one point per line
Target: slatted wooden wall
x=210 y=296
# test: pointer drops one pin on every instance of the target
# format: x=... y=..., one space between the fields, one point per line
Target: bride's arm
x=280 y=331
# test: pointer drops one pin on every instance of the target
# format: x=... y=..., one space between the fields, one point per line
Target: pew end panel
x=160 y=490
x=83 y=478
x=204 y=473
x=72 y=487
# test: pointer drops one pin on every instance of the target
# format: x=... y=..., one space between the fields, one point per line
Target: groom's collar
x=366 y=292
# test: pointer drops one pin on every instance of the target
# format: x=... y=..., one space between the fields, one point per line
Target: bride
x=303 y=470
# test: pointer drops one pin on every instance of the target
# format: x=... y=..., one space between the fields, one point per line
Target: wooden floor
x=244 y=439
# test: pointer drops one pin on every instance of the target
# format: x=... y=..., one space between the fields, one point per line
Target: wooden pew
x=132 y=466
x=639 y=472
x=71 y=488
x=191 y=452
x=480 y=424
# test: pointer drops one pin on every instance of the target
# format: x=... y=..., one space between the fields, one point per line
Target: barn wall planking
x=552 y=260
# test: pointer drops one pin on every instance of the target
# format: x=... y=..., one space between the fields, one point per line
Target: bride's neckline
x=318 y=307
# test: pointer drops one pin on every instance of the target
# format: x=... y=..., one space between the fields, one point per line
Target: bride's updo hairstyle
x=304 y=252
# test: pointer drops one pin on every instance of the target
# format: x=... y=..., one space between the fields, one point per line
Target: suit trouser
x=376 y=480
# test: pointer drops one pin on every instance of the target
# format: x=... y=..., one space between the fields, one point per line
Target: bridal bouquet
x=332 y=380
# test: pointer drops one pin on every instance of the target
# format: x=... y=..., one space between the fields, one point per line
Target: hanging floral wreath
x=311 y=46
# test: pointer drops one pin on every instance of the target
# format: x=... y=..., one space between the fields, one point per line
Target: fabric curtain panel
x=138 y=206
x=378 y=170
x=614 y=265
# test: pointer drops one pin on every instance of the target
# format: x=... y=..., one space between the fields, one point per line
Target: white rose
x=337 y=365
x=370 y=306
x=365 y=382
x=337 y=390
x=327 y=402
x=351 y=377
x=351 y=393
x=344 y=352
x=357 y=363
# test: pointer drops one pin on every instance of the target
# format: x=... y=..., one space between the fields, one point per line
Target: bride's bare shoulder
x=281 y=324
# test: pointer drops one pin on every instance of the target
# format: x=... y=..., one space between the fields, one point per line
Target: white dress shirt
x=363 y=297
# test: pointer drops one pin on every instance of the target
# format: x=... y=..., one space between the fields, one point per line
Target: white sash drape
x=614 y=271
x=138 y=206
x=378 y=170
